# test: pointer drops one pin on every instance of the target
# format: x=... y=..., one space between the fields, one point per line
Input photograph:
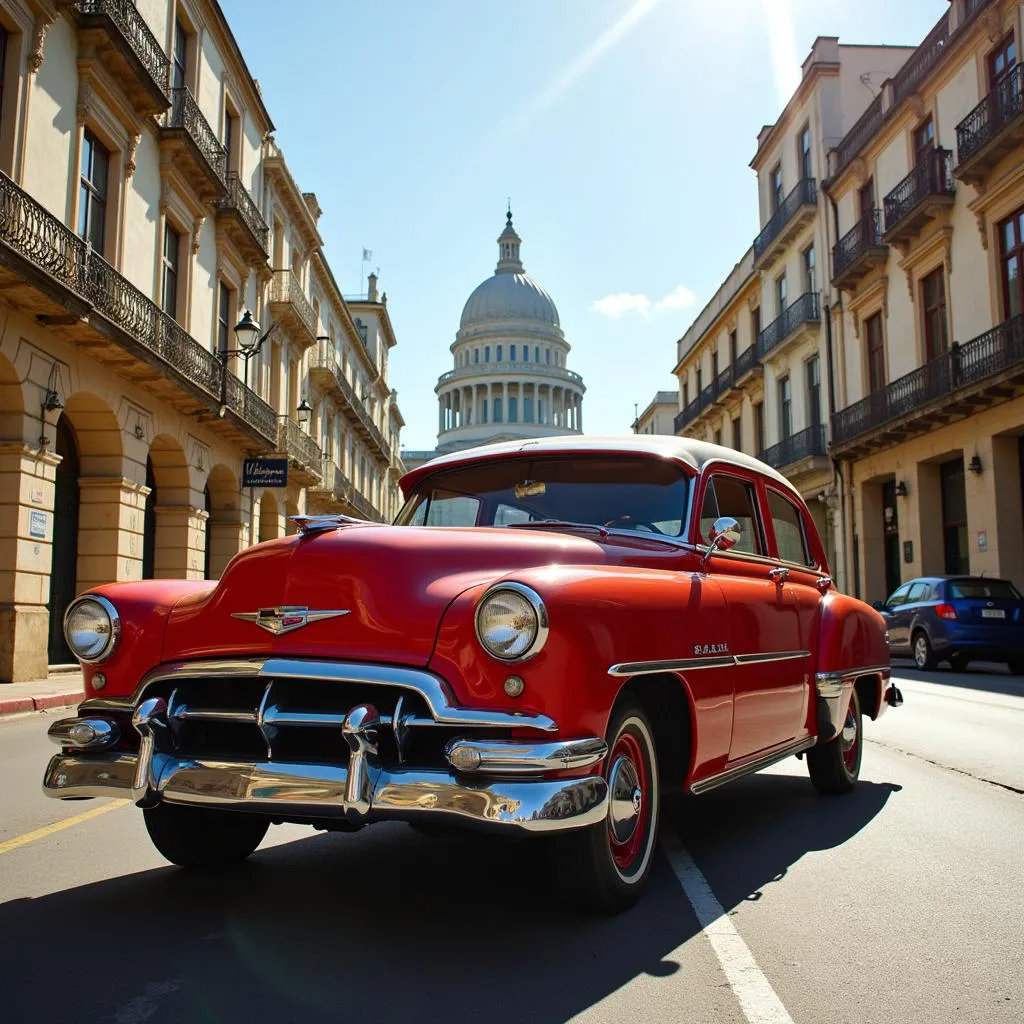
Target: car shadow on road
x=990 y=676
x=387 y=925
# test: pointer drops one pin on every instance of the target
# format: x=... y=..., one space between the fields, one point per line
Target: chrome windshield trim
x=641 y=668
x=430 y=687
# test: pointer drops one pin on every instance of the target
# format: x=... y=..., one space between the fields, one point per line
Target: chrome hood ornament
x=287 y=617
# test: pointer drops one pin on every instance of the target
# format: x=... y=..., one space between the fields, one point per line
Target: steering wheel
x=627 y=522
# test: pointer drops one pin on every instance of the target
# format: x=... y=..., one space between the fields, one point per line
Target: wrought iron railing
x=294 y=442
x=484 y=369
x=806 y=192
x=287 y=287
x=864 y=235
x=690 y=412
x=746 y=361
x=1001 y=106
x=132 y=26
x=867 y=125
x=335 y=483
x=933 y=176
x=238 y=199
x=186 y=115
x=36 y=235
x=921 y=61
x=801 y=445
x=724 y=381
x=806 y=309
x=327 y=361
x=962 y=366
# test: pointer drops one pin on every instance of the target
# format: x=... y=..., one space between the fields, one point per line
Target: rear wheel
x=834 y=767
x=604 y=867
x=924 y=656
x=200 y=837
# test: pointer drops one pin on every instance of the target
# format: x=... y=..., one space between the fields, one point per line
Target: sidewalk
x=61 y=689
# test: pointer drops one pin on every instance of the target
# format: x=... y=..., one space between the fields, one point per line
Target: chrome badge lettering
x=700 y=649
x=286 y=618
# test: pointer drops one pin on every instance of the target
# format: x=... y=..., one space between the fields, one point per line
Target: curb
x=21 y=705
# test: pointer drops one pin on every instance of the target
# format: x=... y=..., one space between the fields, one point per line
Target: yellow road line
x=48 y=830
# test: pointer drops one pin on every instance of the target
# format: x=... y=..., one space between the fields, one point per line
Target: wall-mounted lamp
x=304 y=410
x=901 y=490
x=975 y=465
x=50 y=403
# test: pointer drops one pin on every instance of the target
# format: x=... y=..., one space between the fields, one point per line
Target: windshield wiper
x=558 y=524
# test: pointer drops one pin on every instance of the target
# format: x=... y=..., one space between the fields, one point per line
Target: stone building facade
x=144 y=207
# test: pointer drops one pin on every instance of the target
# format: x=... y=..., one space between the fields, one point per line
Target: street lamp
x=304 y=410
x=250 y=341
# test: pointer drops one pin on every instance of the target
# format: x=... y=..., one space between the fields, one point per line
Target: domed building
x=510 y=380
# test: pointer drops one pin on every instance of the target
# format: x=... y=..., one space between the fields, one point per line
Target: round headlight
x=92 y=628
x=512 y=622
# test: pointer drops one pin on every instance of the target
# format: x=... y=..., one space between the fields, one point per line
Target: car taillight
x=945 y=611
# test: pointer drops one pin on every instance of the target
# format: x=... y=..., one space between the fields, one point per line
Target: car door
x=917 y=605
x=897 y=622
x=771 y=666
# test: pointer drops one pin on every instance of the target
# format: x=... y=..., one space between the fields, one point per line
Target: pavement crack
x=949 y=767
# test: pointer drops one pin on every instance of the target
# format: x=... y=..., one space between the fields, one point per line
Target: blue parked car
x=958 y=619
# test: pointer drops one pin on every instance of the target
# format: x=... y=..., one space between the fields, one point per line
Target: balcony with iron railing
x=328 y=375
x=802 y=314
x=335 y=492
x=859 y=251
x=983 y=371
x=291 y=309
x=116 y=34
x=926 y=190
x=241 y=218
x=50 y=273
x=303 y=453
x=805 y=450
x=992 y=130
x=728 y=381
x=794 y=213
x=197 y=151
x=747 y=362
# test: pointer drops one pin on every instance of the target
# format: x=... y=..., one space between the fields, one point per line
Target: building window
x=487 y=353
x=876 y=352
x=179 y=59
x=499 y=353
x=513 y=409
x=777 y=195
x=737 y=434
x=483 y=411
x=755 y=324
x=686 y=393
x=1011 y=243
x=542 y=411
x=810 y=270
x=954 y=517
x=866 y=198
x=780 y=295
x=497 y=410
x=732 y=348
x=526 y=353
x=806 y=171
x=512 y=353
x=933 y=307
x=172 y=250
x=230 y=134
x=714 y=365
x=718 y=436
x=92 y=202
x=527 y=410
x=924 y=142
x=758 y=408
x=4 y=39
x=785 y=408
x=223 y=317
x=536 y=353
x=1001 y=60
x=476 y=355
x=813 y=372
x=547 y=356
x=700 y=379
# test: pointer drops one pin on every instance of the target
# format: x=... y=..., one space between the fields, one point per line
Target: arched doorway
x=149 y=524
x=63 y=571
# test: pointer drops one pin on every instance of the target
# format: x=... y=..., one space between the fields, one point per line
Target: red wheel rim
x=628 y=753
x=851 y=736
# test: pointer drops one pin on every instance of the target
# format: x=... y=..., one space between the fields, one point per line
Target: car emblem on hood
x=286 y=618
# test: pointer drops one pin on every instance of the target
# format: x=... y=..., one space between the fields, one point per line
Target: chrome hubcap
x=849 y=731
x=920 y=651
x=626 y=799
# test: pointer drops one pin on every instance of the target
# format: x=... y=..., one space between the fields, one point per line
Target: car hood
x=393 y=585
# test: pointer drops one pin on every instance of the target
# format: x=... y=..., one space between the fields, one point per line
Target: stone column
x=180 y=542
x=26 y=539
x=111 y=521
x=440 y=413
x=227 y=537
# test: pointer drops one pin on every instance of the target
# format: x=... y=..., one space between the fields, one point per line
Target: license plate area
x=993 y=613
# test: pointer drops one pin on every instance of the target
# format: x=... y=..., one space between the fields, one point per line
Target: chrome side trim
x=508 y=757
x=294 y=790
x=738 y=771
x=430 y=687
x=640 y=668
x=852 y=673
x=833 y=696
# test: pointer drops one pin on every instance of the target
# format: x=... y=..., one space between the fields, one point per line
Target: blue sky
x=621 y=129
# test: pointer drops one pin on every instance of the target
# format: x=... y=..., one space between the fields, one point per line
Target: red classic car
x=551 y=635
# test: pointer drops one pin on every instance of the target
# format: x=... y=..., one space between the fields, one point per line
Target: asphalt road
x=901 y=902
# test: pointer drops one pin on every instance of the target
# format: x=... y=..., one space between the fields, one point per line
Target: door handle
x=779 y=574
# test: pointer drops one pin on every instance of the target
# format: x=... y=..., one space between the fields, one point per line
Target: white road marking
x=756 y=996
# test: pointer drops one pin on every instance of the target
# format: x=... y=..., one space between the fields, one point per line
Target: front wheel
x=201 y=837
x=604 y=867
x=834 y=767
x=924 y=656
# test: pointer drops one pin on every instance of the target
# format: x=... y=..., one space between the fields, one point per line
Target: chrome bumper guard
x=361 y=792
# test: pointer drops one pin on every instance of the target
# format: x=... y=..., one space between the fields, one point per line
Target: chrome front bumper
x=292 y=790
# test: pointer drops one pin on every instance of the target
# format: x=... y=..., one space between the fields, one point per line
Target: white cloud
x=618 y=304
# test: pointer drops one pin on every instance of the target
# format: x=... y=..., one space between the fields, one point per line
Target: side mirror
x=724 y=534
x=878 y=606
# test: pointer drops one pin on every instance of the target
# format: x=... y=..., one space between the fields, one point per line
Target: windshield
x=640 y=494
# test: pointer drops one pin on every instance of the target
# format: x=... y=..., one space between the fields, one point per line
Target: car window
x=789 y=529
x=982 y=588
x=509 y=515
x=918 y=592
x=444 y=508
x=729 y=496
x=898 y=596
